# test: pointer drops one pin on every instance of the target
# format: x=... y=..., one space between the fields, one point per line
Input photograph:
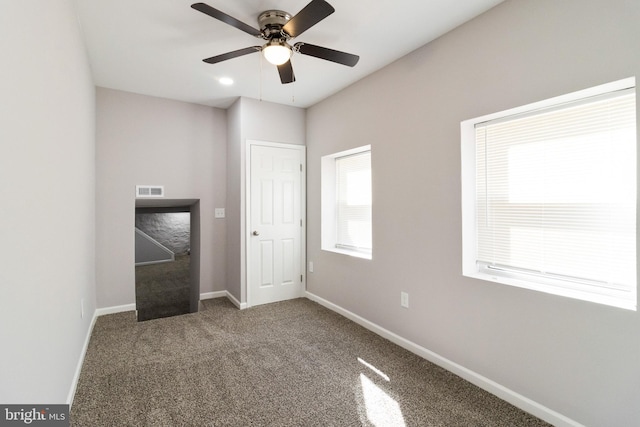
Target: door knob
x=256 y=233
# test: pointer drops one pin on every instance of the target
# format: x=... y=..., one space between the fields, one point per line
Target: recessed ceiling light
x=226 y=81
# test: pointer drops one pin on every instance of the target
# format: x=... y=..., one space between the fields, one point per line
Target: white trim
x=235 y=302
x=131 y=307
x=349 y=252
x=97 y=313
x=549 y=285
x=328 y=190
x=120 y=309
x=617 y=85
x=247 y=214
x=481 y=381
x=115 y=309
x=212 y=295
x=83 y=353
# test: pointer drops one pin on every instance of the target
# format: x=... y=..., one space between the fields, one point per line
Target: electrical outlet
x=310 y=266
x=404 y=299
x=219 y=213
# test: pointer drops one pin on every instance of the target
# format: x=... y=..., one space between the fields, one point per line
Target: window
x=346 y=202
x=549 y=196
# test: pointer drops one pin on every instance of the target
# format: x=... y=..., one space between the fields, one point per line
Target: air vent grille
x=149 y=191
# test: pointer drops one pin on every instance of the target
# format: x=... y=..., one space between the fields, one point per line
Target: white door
x=275 y=224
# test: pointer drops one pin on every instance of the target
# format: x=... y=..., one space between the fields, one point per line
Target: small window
x=549 y=196
x=346 y=202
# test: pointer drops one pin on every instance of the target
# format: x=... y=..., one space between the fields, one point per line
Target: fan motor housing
x=272 y=21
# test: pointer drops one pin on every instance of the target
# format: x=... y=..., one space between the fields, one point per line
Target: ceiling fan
x=278 y=28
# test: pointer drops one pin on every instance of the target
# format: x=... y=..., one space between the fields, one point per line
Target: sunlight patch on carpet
x=374 y=369
x=382 y=409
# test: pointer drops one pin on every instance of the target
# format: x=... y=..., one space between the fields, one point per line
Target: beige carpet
x=293 y=363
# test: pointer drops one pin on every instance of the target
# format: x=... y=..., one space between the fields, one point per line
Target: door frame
x=303 y=210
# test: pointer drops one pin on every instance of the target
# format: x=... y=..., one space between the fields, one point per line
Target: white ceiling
x=156 y=47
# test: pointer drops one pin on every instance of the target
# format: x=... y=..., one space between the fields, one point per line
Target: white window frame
x=329 y=205
x=470 y=267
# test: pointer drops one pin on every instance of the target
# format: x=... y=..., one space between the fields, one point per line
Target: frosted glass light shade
x=277 y=53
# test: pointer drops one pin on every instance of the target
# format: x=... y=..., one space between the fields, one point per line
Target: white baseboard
x=115 y=309
x=485 y=383
x=132 y=307
x=98 y=312
x=214 y=294
x=76 y=375
x=235 y=302
x=223 y=294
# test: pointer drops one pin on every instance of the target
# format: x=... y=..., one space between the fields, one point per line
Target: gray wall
x=577 y=358
x=249 y=119
x=153 y=141
x=47 y=178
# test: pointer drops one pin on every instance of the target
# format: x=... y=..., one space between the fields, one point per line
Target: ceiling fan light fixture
x=277 y=52
x=277 y=28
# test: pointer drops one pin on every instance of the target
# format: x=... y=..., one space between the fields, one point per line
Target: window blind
x=556 y=194
x=353 y=207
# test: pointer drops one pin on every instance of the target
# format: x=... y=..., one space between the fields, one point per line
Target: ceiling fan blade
x=234 y=54
x=312 y=13
x=286 y=73
x=215 y=13
x=327 y=54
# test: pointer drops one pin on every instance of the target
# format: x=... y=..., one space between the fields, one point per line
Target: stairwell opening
x=167 y=251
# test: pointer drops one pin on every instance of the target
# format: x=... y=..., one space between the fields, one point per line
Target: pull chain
x=260 y=78
x=293 y=87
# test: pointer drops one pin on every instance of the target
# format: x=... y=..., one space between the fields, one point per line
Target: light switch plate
x=404 y=299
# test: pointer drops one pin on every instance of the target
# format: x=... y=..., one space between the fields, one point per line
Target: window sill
x=626 y=302
x=355 y=254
